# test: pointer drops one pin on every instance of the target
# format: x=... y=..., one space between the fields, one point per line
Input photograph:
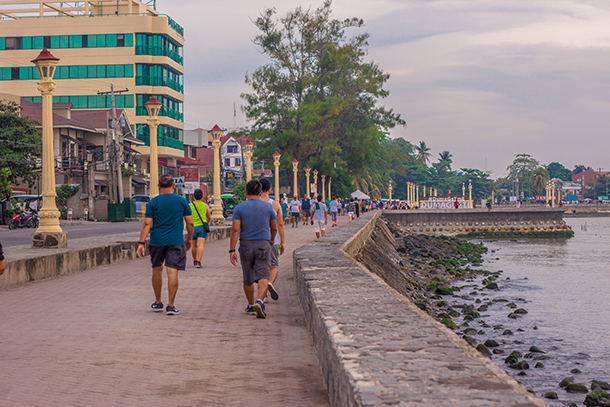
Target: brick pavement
x=89 y=339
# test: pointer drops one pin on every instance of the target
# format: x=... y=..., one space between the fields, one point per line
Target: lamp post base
x=49 y=240
x=218 y=221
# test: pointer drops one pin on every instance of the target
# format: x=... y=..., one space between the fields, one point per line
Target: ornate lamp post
x=390 y=190
x=315 y=181
x=463 y=189
x=417 y=195
x=248 y=153
x=470 y=193
x=152 y=107
x=546 y=199
x=276 y=162
x=48 y=214
x=307 y=171
x=323 y=188
x=217 y=218
x=552 y=194
x=330 y=179
x=295 y=170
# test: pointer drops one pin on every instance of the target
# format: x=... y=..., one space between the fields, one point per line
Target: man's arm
x=273 y=229
x=235 y=228
x=2 y=264
x=190 y=227
x=146 y=225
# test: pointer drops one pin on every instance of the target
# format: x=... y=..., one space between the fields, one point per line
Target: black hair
x=198 y=194
x=319 y=198
x=166 y=181
x=253 y=188
x=265 y=184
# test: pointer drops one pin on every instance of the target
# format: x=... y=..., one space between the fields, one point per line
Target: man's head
x=166 y=181
x=295 y=197
x=253 y=188
x=305 y=197
x=198 y=194
x=265 y=185
x=319 y=198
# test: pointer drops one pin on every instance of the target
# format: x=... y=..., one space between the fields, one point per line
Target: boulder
x=520 y=311
x=483 y=349
x=550 y=395
x=599 y=398
x=600 y=384
x=575 y=371
x=492 y=286
x=536 y=349
x=490 y=343
x=522 y=365
x=443 y=290
x=471 y=341
x=566 y=381
x=470 y=331
x=512 y=358
x=539 y=365
x=577 y=388
x=498 y=352
x=507 y=332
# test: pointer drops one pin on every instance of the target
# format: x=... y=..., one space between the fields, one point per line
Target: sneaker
x=250 y=310
x=171 y=311
x=197 y=264
x=157 y=307
x=273 y=292
x=259 y=308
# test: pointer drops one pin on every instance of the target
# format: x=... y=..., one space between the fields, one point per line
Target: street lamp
x=463 y=189
x=248 y=153
x=217 y=218
x=315 y=181
x=417 y=195
x=470 y=193
x=276 y=162
x=330 y=180
x=390 y=190
x=295 y=169
x=307 y=171
x=49 y=233
x=323 y=187
x=153 y=106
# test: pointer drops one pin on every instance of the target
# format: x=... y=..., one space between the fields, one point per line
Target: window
x=238 y=162
x=85 y=41
x=15 y=74
x=120 y=40
x=227 y=162
x=232 y=149
x=13 y=43
x=47 y=41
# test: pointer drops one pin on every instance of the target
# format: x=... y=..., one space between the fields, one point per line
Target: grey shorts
x=254 y=258
x=274 y=256
x=306 y=213
x=173 y=256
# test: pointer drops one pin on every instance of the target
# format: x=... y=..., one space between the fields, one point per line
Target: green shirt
x=197 y=221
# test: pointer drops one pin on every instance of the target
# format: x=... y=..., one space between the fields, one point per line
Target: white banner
x=190 y=187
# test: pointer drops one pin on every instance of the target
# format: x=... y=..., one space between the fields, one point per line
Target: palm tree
x=538 y=179
x=445 y=157
x=423 y=152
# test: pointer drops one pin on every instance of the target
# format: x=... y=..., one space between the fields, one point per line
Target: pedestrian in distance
x=320 y=217
x=306 y=209
x=200 y=211
x=279 y=244
x=164 y=219
x=334 y=211
x=284 y=207
x=295 y=211
x=2 y=264
x=456 y=204
x=357 y=203
x=255 y=225
x=351 y=209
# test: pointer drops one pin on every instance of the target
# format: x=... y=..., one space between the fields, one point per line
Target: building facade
x=121 y=51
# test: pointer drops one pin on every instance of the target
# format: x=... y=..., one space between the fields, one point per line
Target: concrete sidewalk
x=90 y=339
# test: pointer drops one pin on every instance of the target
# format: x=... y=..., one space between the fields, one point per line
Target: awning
x=360 y=195
x=138 y=180
x=101 y=182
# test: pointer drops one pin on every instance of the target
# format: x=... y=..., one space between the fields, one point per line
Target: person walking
x=456 y=204
x=334 y=211
x=357 y=203
x=2 y=264
x=278 y=245
x=351 y=210
x=284 y=207
x=200 y=210
x=306 y=209
x=164 y=219
x=295 y=211
x=320 y=217
x=255 y=225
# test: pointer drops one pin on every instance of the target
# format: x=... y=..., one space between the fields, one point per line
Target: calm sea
x=565 y=287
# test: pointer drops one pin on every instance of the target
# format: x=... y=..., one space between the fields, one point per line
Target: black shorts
x=254 y=257
x=173 y=256
x=295 y=215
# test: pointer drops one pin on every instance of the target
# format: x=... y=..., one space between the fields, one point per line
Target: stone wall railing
x=375 y=347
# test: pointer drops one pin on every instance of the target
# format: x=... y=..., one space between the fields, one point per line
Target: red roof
x=240 y=139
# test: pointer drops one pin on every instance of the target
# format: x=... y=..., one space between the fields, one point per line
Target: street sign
x=179 y=182
x=190 y=187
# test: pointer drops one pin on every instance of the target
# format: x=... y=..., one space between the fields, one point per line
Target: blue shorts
x=199 y=232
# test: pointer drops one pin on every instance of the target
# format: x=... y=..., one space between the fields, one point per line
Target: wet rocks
x=512 y=358
x=471 y=341
x=490 y=343
x=575 y=371
x=576 y=388
x=520 y=311
x=522 y=365
x=598 y=398
x=599 y=384
x=563 y=383
x=484 y=350
x=535 y=349
x=550 y=395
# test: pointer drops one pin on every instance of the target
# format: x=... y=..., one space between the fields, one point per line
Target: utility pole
x=117 y=141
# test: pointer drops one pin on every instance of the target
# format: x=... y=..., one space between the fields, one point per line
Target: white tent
x=360 y=195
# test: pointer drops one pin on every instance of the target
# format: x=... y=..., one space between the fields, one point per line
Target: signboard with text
x=179 y=181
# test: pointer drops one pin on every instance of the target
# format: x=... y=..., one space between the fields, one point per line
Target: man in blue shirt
x=255 y=223
x=164 y=216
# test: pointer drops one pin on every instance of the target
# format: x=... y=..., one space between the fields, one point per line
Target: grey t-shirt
x=320 y=209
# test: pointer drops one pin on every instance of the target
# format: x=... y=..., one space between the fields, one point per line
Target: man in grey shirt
x=320 y=217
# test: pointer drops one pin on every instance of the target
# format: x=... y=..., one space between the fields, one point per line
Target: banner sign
x=179 y=182
x=437 y=202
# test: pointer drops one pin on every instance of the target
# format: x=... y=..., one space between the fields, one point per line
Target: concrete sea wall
x=477 y=222
x=377 y=348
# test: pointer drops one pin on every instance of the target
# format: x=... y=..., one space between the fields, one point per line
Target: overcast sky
x=482 y=79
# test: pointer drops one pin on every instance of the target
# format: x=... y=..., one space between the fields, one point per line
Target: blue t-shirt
x=167 y=212
x=334 y=206
x=284 y=208
x=319 y=213
x=254 y=215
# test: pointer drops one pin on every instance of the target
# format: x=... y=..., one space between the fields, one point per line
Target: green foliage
x=5 y=191
x=538 y=180
x=128 y=172
x=239 y=190
x=20 y=144
x=521 y=169
x=580 y=168
x=64 y=193
x=317 y=99
x=557 y=170
x=600 y=188
x=423 y=152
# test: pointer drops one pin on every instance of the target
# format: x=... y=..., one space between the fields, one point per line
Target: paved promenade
x=90 y=339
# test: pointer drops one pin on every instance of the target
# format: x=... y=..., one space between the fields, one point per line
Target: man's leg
x=157 y=282
x=200 y=244
x=273 y=271
x=249 y=291
x=194 y=249
x=172 y=285
x=263 y=285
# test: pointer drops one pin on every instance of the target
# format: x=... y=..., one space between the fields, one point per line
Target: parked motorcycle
x=23 y=220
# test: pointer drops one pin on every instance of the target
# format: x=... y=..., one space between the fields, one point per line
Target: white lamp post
x=248 y=147
x=276 y=162
x=217 y=218
x=153 y=106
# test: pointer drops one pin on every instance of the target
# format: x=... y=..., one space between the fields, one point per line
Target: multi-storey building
x=125 y=46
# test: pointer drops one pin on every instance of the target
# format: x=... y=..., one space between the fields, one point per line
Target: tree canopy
x=316 y=100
